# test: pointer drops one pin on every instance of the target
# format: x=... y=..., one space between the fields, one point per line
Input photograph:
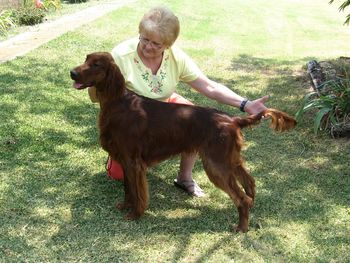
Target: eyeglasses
x=153 y=44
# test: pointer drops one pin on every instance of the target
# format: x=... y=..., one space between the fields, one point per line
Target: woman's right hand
x=256 y=106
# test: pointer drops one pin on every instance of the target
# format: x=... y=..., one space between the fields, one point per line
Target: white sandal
x=190 y=187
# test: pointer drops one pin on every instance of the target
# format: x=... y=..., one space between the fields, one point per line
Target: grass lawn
x=56 y=203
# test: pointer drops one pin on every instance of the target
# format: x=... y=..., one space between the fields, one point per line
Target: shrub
x=29 y=15
x=332 y=109
x=6 y=21
x=54 y=4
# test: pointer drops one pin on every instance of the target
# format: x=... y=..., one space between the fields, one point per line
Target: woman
x=153 y=67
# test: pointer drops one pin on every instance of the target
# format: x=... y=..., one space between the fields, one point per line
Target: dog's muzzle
x=73 y=74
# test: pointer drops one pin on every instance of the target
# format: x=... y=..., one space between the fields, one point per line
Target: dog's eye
x=95 y=65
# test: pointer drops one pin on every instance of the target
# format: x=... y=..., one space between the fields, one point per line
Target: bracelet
x=243 y=103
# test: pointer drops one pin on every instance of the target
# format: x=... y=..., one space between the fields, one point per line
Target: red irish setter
x=139 y=132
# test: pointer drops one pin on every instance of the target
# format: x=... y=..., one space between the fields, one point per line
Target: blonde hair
x=162 y=21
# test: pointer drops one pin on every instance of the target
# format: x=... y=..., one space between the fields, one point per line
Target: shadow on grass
x=51 y=190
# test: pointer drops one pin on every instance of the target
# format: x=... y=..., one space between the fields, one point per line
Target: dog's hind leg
x=225 y=179
x=246 y=180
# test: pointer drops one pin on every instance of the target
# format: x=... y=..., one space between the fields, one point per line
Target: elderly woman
x=152 y=67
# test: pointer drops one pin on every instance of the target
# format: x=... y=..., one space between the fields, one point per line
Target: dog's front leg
x=127 y=200
x=136 y=189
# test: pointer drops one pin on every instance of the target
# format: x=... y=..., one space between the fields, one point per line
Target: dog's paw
x=237 y=229
x=132 y=216
x=122 y=206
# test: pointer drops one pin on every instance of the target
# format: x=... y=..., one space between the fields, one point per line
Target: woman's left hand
x=256 y=106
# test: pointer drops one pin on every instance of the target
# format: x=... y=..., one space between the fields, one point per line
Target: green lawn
x=56 y=203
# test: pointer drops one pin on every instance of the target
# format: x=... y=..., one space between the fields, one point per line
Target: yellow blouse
x=176 y=66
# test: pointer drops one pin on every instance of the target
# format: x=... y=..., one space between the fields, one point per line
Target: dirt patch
x=5 y=4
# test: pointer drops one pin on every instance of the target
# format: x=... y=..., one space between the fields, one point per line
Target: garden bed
x=18 y=16
x=331 y=84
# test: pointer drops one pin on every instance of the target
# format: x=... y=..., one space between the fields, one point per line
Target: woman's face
x=151 y=45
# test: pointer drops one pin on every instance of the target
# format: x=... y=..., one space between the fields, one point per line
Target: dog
x=139 y=132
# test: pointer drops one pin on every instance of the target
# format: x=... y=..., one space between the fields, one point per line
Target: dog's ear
x=115 y=80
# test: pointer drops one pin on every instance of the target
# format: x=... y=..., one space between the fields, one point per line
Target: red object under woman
x=114 y=170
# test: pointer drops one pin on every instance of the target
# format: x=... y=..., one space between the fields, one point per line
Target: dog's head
x=94 y=71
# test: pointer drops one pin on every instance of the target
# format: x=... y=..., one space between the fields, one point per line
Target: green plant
x=26 y=2
x=342 y=8
x=29 y=15
x=54 y=4
x=6 y=21
x=332 y=109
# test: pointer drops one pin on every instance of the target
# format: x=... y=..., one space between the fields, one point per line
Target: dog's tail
x=280 y=121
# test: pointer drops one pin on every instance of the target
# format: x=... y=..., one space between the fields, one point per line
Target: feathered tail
x=280 y=121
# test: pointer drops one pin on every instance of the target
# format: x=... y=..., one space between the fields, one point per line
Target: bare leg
x=184 y=178
x=186 y=166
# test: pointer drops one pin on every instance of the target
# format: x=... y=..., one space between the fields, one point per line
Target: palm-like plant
x=332 y=109
x=342 y=7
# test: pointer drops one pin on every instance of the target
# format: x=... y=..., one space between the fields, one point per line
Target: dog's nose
x=73 y=74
